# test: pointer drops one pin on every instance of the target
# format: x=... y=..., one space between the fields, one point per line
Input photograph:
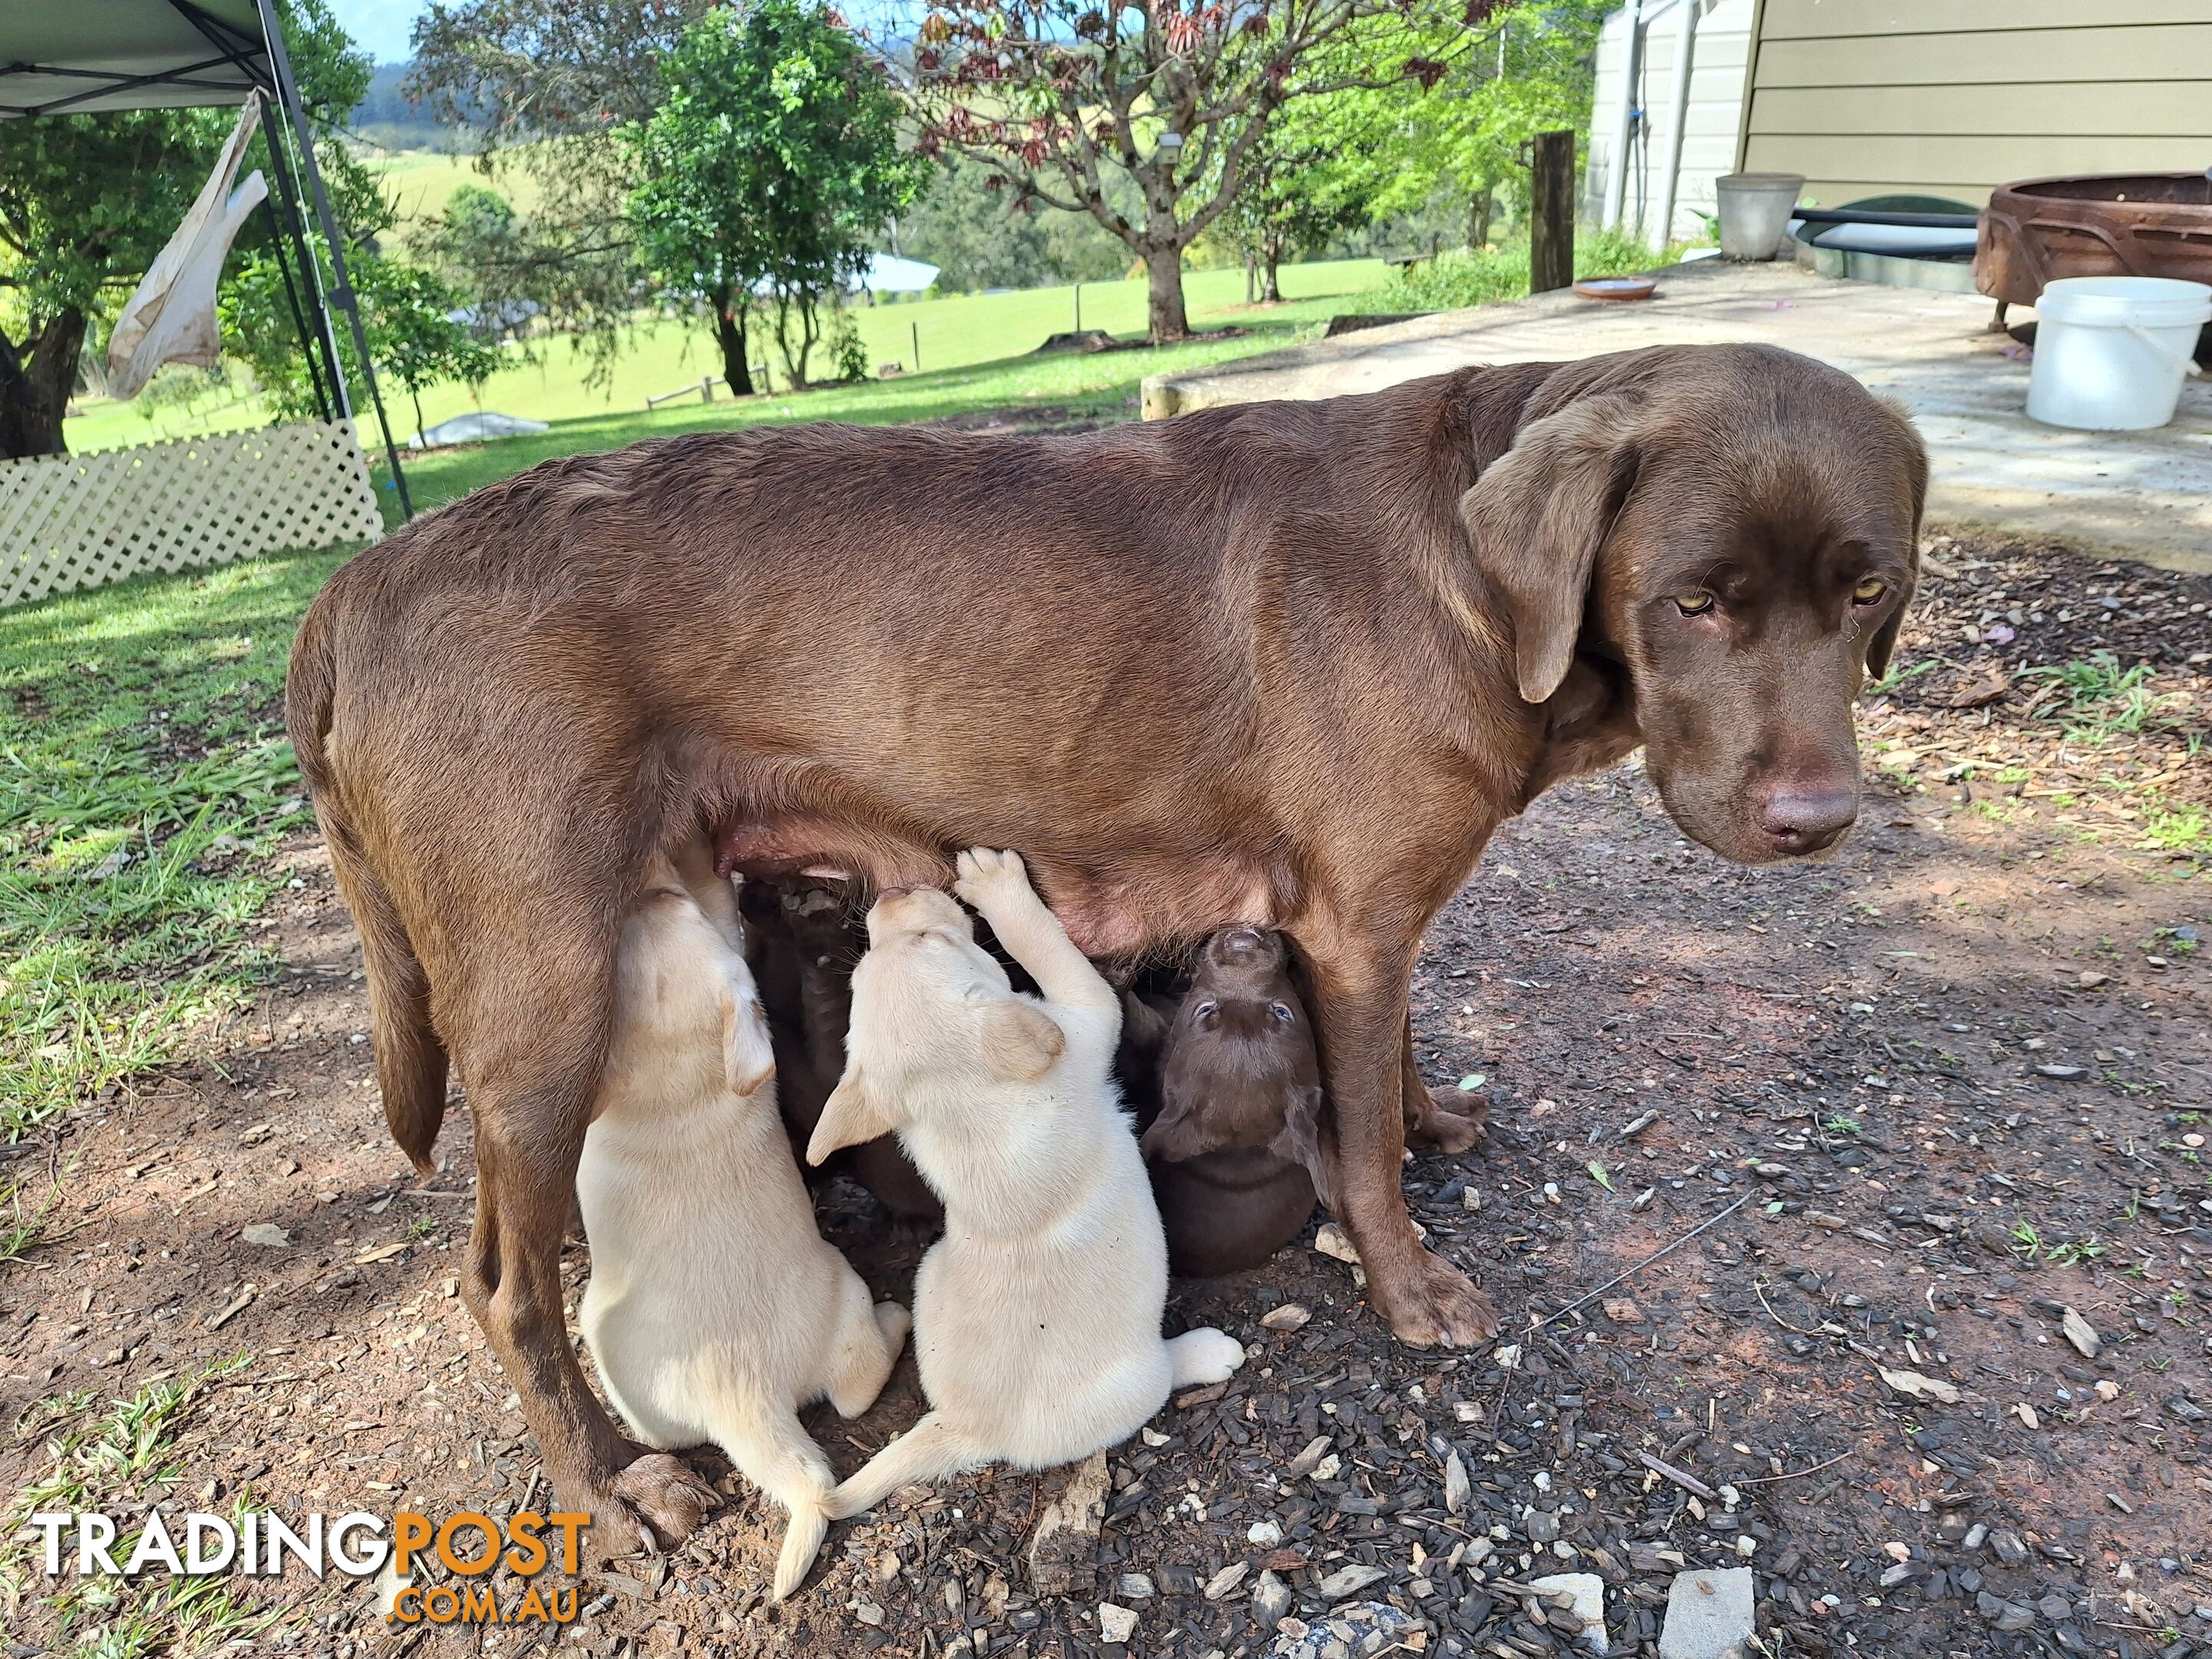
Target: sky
x=379 y=28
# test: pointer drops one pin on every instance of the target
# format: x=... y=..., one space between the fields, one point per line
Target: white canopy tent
x=90 y=57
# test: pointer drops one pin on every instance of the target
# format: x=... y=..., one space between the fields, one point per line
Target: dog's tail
x=932 y=1449
x=773 y=1451
x=410 y=1060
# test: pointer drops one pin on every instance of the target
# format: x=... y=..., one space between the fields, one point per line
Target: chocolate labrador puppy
x=1281 y=665
x=801 y=944
x=1234 y=1147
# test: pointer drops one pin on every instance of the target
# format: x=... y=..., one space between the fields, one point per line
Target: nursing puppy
x=1037 y=1315
x=801 y=944
x=1235 y=1152
x=715 y=1310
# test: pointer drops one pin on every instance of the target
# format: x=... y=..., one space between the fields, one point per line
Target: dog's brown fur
x=1283 y=663
x=1234 y=1146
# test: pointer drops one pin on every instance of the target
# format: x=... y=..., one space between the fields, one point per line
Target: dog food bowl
x=1617 y=287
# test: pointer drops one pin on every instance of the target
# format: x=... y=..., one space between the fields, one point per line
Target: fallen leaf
x=382 y=1252
x=1913 y=1385
x=265 y=1232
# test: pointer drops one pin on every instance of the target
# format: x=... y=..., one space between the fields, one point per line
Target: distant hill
x=387 y=119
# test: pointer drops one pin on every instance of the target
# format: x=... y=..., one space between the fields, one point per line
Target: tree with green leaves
x=553 y=90
x=87 y=201
x=770 y=167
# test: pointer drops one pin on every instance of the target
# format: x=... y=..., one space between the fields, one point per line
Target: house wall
x=1954 y=97
x=1710 y=132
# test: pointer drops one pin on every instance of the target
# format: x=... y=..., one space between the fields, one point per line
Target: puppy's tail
x=410 y=1060
x=932 y=1449
x=774 y=1451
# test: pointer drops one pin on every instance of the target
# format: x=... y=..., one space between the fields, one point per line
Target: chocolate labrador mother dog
x=1286 y=665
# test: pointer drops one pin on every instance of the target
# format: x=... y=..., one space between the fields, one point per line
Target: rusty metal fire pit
x=2145 y=224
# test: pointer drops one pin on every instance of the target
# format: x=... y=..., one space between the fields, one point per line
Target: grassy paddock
x=145 y=777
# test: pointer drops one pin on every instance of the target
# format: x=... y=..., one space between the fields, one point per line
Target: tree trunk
x=1163 y=270
x=1271 y=252
x=1248 y=262
x=730 y=335
x=34 y=393
x=1478 y=221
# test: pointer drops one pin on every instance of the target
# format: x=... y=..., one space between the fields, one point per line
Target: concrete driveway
x=2144 y=495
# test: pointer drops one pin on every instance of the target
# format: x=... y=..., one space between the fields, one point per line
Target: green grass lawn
x=144 y=776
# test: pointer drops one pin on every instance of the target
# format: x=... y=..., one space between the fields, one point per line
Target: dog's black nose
x=1801 y=818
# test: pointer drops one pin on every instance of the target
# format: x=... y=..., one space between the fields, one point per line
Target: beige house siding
x=1955 y=97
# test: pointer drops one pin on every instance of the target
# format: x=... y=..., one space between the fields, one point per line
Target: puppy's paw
x=1447 y=1120
x=986 y=877
x=1203 y=1355
x=894 y=1321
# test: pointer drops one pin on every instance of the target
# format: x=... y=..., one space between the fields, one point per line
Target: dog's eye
x=1694 y=605
x=1205 y=1010
x=1870 y=592
x=1281 y=1012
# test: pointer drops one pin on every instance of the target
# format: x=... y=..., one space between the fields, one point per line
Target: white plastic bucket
x=1754 y=211
x=2110 y=351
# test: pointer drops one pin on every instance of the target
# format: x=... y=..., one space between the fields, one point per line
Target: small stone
x=1116 y=1624
x=2005 y=1544
x=1457 y=1487
x=1331 y=1241
x=868 y=1612
x=1265 y=1534
x=1580 y=1598
x=1975 y=1534
x=1271 y=1600
x=1288 y=1317
x=1621 y=1311
x=1349 y=1581
x=265 y=1233
x=1710 y=1615
x=2062 y=1074
x=1309 y=1460
x=1542 y=1527
x=2081 y=1333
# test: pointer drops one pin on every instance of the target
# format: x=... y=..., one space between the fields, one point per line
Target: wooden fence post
x=1552 y=213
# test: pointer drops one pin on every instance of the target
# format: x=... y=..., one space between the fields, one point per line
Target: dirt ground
x=1899 y=1112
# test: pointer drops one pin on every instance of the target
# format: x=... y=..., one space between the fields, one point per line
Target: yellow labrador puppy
x=1037 y=1315
x=715 y=1310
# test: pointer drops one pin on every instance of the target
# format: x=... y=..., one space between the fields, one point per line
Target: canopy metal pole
x=342 y=285
x=299 y=320
x=284 y=203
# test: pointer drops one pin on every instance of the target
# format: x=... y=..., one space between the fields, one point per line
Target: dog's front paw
x=1430 y=1303
x=987 y=878
x=653 y=1504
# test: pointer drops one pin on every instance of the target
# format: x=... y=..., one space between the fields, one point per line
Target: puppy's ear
x=1300 y=1140
x=748 y=1056
x=854 y=1113
x=1174 y=1134
x=1536 y=519
x=1144 y=1028
x=1020 y=1040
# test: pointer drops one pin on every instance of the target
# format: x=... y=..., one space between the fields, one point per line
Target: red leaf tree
x=1143 y=113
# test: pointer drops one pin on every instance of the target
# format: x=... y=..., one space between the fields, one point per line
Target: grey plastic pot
x=1754 y=211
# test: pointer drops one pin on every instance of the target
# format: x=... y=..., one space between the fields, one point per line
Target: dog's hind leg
x=773 y=1451
x=1203 y=1355
x=869 y=1338
x=932 y=1449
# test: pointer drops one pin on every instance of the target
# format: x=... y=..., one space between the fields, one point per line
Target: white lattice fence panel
x=72 y=521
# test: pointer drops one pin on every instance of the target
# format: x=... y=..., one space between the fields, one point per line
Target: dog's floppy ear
x=1916 y=467
x=1176 y=1133
x=748 y=1056
x=1299 y=1140
x=1144 y=1028
x=1536 y=519
x=852 y=1115
x=1020 y=1039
